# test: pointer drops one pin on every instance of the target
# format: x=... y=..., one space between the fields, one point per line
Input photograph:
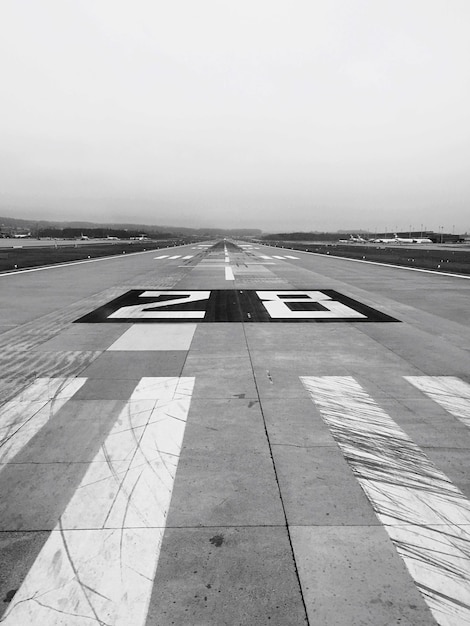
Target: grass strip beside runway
x=25 y=257
x=438 y=259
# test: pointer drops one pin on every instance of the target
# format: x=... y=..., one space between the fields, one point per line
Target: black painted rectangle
x=231 y=305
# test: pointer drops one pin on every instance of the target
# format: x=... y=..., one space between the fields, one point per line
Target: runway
x=229 y=433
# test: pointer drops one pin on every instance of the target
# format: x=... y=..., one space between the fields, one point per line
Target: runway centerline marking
x=229 y=274
x=425 y=515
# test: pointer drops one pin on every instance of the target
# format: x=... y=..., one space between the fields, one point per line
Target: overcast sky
x=296 y=114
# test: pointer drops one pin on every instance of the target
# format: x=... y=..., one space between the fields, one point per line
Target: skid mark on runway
x=38 y=364
x=19 y=364
x=22 y=368
x=425 y=515
x=30 y=335
x=167 y=277
x=99 y=562
x=451 y=393
x=23 y=417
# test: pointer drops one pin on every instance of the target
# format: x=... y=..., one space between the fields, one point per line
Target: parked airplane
x=353 y=239
x=397 y=239
x=384 y=240
x=394 y=239
x=412 y=240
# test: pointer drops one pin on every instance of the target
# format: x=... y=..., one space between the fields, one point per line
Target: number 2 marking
x=148 y=310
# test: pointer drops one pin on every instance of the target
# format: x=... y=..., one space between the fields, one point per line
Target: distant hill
x=150 y=229
x=301 y=236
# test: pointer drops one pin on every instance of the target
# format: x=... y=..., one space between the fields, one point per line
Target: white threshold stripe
x=263 y=256
x=25 y=415
x=176 y=256
x=189 y=256
x=99 y=562
x=164 y=256
x=229 y=274
x=288 y=256
x=425 y=515
x=451 y=393
x=278 y=257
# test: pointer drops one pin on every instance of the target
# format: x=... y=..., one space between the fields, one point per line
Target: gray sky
x=296 y=114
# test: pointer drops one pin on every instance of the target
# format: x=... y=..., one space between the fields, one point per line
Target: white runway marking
x=282 y=258
x=177 y=256
x=149 y=310
x=25 y=415
x=99 y=562
x=137 y=314
x=275 y=302
x=189 y=256
x=425 y=515
x=164 y=256
x=156 y=337
x=229 y=274
x=451 y=393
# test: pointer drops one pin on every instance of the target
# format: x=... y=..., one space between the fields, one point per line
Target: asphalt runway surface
x=224 y=434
